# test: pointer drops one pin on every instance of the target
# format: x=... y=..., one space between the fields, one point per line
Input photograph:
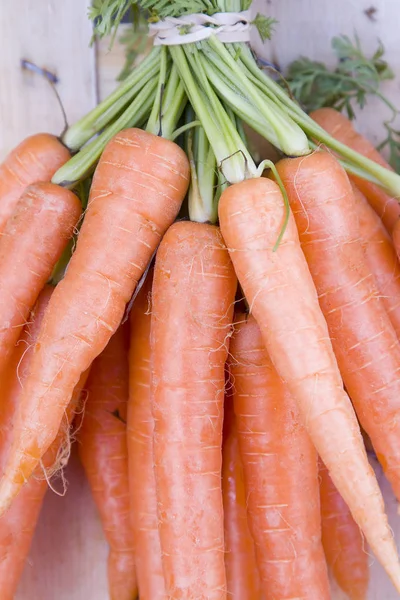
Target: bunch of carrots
x=214 y=344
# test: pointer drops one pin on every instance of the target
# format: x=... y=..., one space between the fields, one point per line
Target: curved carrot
x=18 y=525
x=381 y=257
x=281 y=473
x=137 y=190
x=282 y=297
x=193 y=294
x=30 y=246
x=363 y=338
x=342 y=541
x=242 y=578
x=104 y=455
x=142 y=483
x=35 y=159
x=341 y=128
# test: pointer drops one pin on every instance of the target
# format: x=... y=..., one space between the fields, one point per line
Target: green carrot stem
x=84 y=129
x=203 y=166
x=227 y=146
x=154 y=122
x=287 y=135
x=83 y=163
x=386 y=178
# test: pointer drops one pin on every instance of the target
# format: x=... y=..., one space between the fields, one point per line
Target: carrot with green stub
x=18 y=524
x=341 y=128
x=142 y=485
x=242 y=577
x=281 y=473
x=192 y=306
x=136 y=193
x=35 y=159
x=343 y=543
x=30 y=246
x=363 y=338
x=282 y=297
x=103 y=452
x=381 y=257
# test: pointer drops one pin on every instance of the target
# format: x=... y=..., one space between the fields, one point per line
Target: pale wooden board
x=68 y=557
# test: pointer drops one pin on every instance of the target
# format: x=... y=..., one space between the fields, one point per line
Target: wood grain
x=68 y=558
x=53 y=34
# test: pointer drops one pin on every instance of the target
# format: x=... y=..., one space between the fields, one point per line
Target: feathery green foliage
x=355 y=78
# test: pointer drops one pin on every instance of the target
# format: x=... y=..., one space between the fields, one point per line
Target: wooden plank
x=54 y=35
x=68 y=558
x=110 y=62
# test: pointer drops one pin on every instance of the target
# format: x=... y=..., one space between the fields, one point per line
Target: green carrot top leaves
x=355 y=77
x=392 y=143
x=265 y=26
x=108 y=14
x=349 y=84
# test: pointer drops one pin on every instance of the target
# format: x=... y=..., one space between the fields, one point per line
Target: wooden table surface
x=68 y=556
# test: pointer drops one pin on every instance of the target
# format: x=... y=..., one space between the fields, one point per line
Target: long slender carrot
x=282 y=297
x=396 y=238
x=103 y=452
x=193 y=295
x=363 y=338
x=281 y=473
x=137 y=190
x=381 y=257
x=17 y=526
x=341 y=128
x=342 y=541
x=242 y=577
x=35 y=159
x=142 y=485
x=30 y=246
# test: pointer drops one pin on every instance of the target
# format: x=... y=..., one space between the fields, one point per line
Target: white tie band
x=229 y=27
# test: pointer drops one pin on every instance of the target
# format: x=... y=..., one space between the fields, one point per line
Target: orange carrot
x=342 y=541
x=341 y=128
x=363 y=338
x=282 y=297
x=32 y=243
x=242 y=578
x=193 y=295
x=142 y=483
x=396 y=238
x=104 y=454
x=35 y=159
x=137 y=190
x=381 y=257
x=281 y=473
x=17 y=526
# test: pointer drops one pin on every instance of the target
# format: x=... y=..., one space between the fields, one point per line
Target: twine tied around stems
x=229 y=27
